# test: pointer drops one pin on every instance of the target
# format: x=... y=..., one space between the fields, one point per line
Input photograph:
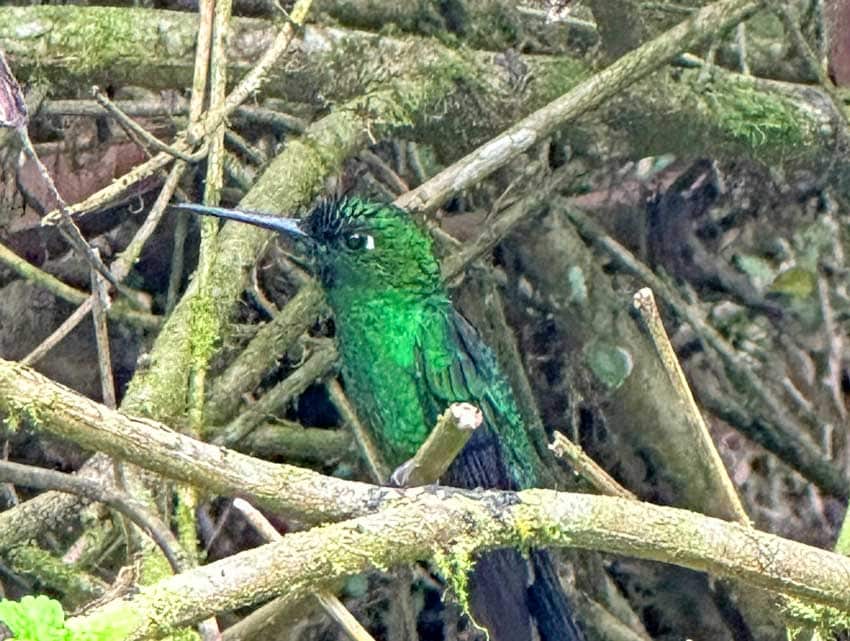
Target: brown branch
x=95 y=490
x=462 y=523
x=591 y=93
x=445 y=441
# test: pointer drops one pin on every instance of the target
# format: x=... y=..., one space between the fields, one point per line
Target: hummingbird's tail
x=498 y=596
x=511 y=595
x=548 y=603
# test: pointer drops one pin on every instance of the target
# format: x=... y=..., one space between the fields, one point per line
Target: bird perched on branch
x=406 y=355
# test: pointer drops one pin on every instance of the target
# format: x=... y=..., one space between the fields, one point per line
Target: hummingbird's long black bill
x=288 y=226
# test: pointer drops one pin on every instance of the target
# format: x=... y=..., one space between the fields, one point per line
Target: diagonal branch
x=591 y=93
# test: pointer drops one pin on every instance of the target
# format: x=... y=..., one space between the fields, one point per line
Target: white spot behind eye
x=370 y=242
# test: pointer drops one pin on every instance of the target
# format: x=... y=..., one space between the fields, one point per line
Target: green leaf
x=36 y=618
x=611 y=364
x=760 y=271
x=795 y=282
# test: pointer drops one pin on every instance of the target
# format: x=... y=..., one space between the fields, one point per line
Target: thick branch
x=28 y=398
x=437 y=522
x=473 y=95
x=588 y=95
x=399 y=534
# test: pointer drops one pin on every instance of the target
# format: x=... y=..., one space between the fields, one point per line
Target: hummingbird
x=406 y=354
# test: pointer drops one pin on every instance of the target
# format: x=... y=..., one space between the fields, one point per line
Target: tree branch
x=438 y=522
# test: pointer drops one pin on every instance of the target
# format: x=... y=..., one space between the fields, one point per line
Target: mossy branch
x=262 y=353
x=472 y=95
x=436 y=520
x=29 y=399
x=119 y=310
x=412 y=524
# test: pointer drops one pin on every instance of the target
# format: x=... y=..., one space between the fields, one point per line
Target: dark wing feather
x=548 y=603
x=506 y=590
x=471 y=374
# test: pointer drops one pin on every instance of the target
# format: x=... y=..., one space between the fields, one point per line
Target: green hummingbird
x=406 y=354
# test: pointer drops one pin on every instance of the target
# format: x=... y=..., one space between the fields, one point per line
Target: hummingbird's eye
x=357 y=242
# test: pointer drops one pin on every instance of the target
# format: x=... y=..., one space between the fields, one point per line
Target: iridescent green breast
x=379 y=338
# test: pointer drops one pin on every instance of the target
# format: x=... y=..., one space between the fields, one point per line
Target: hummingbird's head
x=370 y=247
x=357 y=247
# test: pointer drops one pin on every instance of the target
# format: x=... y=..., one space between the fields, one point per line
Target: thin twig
x=329 y=602
x=318 y=365
x=179 y=107
x=209 y=228
x=445 y=441
x=122 y=265
x=100 y=303
x=209 y=54
x=384 y=172
x=644 y=303
x=94 y=490
x=587 y=468
x=67 y=226
x=59 y=333
x=252 y=81
x=378 y=469
x=835 y=349
x=136 y=129
x=175 y=277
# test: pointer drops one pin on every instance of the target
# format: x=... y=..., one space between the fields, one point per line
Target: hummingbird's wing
x=507 y=591
x=499 y=455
